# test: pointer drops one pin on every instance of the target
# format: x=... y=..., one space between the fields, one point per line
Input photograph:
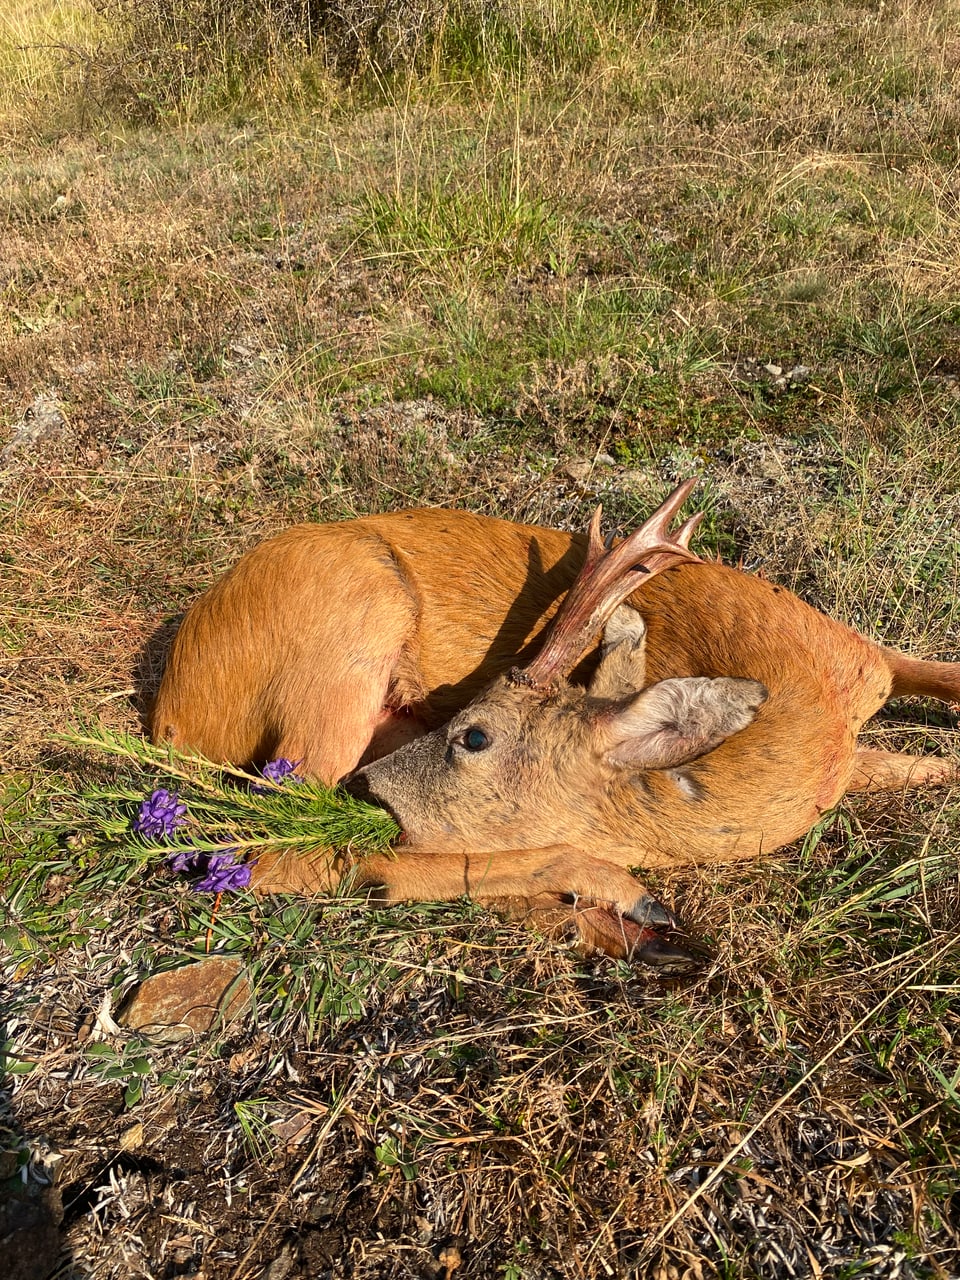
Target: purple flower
x=224 y=877
x=221 y=871
x=160 y=815
x=221 y=858
x=278 y=771
x=183 y=860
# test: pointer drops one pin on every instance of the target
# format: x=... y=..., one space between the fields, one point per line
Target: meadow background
x=266 y=261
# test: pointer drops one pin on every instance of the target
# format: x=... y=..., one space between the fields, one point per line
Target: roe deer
x=421 y=657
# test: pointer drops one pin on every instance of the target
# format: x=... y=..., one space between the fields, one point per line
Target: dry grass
x=520 y=290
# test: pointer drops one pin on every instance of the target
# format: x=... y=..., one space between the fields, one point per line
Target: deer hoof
x=602 y=929
x=667 y=952
x=651 y=914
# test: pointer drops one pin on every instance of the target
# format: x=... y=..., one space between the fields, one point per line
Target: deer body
x=759 y=789
x=323 y=643
x=337 y=645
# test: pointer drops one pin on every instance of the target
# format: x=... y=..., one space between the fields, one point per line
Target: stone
x=280 y=1267
x=183 y=1003
x=579 y=470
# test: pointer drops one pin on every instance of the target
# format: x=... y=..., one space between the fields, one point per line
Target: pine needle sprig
x=226 y=808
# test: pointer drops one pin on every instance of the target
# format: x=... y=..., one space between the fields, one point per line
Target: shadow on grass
x=149 y=665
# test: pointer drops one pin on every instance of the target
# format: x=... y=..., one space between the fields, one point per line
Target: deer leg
x=426 y=876
x=895 y=770
x=592 y=929
x=354 y=707
x=353 y=674
x=329 y=723
x=915 y=678
x=593 y=926
x=282 y=871
x=611 y=911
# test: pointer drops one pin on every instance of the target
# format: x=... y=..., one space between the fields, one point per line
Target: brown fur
x=333 y=644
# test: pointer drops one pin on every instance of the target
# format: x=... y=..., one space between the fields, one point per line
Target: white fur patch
x=685 y=784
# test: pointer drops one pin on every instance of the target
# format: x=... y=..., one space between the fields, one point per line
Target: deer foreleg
x=559 y=870
x=590 y=929
x=282 y=871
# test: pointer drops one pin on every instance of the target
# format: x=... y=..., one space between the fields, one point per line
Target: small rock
x=775 y=377
x=295 y=1129
x=321 y=1207
x=186 y=1002
x=579 y=470
x=280 y=1267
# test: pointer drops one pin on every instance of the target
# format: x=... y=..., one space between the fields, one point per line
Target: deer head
x=535 y=760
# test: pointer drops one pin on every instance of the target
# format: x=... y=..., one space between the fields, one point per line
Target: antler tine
x=657 y=526
x=607 y=577
x=689 y=528
x=595 y=543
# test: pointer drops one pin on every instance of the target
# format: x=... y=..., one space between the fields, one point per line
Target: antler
x=608 y=576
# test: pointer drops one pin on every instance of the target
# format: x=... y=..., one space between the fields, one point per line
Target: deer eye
x=474 y=739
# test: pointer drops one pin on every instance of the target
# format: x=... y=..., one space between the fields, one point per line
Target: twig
x=213 y=920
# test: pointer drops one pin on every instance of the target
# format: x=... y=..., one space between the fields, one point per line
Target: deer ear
x=678 y=720
x=623 y=655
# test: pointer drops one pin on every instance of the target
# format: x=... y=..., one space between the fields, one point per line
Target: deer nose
x=357 y=784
